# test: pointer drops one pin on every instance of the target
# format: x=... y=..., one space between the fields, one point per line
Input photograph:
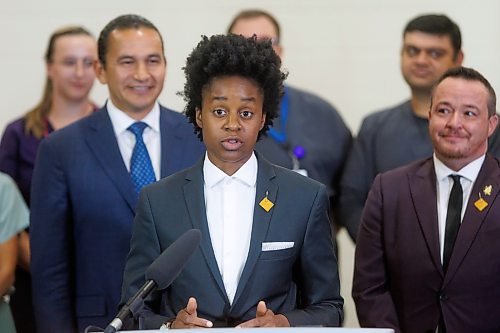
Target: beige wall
x=347 y=51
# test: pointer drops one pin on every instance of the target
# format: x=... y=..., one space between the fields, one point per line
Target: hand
x=188 y=318
x=266 y=318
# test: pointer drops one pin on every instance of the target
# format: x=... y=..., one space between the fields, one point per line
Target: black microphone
x=159 y=275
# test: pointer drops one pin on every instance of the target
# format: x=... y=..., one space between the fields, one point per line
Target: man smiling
x=88 y=175
x=427 y=250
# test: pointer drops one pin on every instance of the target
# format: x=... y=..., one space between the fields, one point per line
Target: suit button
x=443 y=297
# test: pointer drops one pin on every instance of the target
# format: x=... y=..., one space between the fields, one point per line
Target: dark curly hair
x=228 y=55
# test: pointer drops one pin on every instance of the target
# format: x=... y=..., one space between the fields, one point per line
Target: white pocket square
x=274 y=246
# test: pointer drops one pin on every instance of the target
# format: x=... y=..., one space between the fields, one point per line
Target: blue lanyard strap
x=296 y=153
x=280 y=136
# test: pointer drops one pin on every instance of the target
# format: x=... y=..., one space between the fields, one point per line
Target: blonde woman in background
x=69 y=60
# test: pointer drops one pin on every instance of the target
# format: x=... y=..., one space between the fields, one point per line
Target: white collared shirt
x=443 y=187
x=229 y=202
x=126 y=139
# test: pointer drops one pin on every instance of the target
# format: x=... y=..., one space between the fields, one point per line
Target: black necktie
x=453 y=217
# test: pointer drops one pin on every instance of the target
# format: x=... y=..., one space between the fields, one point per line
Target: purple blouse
x=18 y=154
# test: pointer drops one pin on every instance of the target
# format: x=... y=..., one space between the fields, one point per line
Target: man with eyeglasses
x=398 y=135
x=309 y=136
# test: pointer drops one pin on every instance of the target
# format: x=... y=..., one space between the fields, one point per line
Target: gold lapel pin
x=266 y=204
x=487 y=190
x=480 y=203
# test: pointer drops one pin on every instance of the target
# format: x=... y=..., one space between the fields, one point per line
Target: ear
x=48 y=68
x=429 y=114
x=199 y=122
x=100 y=72
x=166 y=65
x=460 y=58
x=279 y=51
x=263 y=120
x=492 y=124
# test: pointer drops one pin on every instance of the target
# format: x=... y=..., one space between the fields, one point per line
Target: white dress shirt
x=229 y=202
x=468 y=175
x=126 y=139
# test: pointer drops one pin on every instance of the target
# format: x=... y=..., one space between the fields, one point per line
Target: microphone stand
x=135 y=307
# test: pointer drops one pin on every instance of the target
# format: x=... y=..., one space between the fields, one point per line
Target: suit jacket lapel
x=261 y=220
x=171 y=144
x=195 y=201
x=101 y=140
x=489 y=175
x=423 y=192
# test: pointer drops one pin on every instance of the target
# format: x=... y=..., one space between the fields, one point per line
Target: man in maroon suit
x=428 y=251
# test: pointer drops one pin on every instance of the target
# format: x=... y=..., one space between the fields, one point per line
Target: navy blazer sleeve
x=49 y=233
x=357 y=178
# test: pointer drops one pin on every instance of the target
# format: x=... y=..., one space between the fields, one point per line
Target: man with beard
x=427 y=250
x=398 y=135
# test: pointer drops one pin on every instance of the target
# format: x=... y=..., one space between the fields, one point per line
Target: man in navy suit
x=84 y=195
x=309 y=135
x=266 y=257
x=427 y=255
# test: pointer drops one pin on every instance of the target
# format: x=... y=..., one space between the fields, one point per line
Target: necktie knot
x=137 y=128
x=456 y=179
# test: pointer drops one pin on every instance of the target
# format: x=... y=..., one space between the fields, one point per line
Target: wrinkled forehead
x=462 y=92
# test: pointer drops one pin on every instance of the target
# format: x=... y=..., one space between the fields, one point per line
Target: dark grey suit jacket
x=300 y=282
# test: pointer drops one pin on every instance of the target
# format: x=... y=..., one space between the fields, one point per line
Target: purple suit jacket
x=398 y=276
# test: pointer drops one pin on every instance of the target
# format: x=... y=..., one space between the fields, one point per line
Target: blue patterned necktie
x=141 y=169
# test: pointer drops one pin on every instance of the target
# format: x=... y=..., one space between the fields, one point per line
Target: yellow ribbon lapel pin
x=480 y=203
x=266 y=204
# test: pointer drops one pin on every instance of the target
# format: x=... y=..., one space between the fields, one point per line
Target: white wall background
x=347 y=51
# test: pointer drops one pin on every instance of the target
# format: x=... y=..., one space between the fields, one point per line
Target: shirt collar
x=121 y=121
x=470 y=171
x=247 y=174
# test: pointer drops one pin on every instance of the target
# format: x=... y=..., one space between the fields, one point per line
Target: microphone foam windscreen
x=170 y=263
